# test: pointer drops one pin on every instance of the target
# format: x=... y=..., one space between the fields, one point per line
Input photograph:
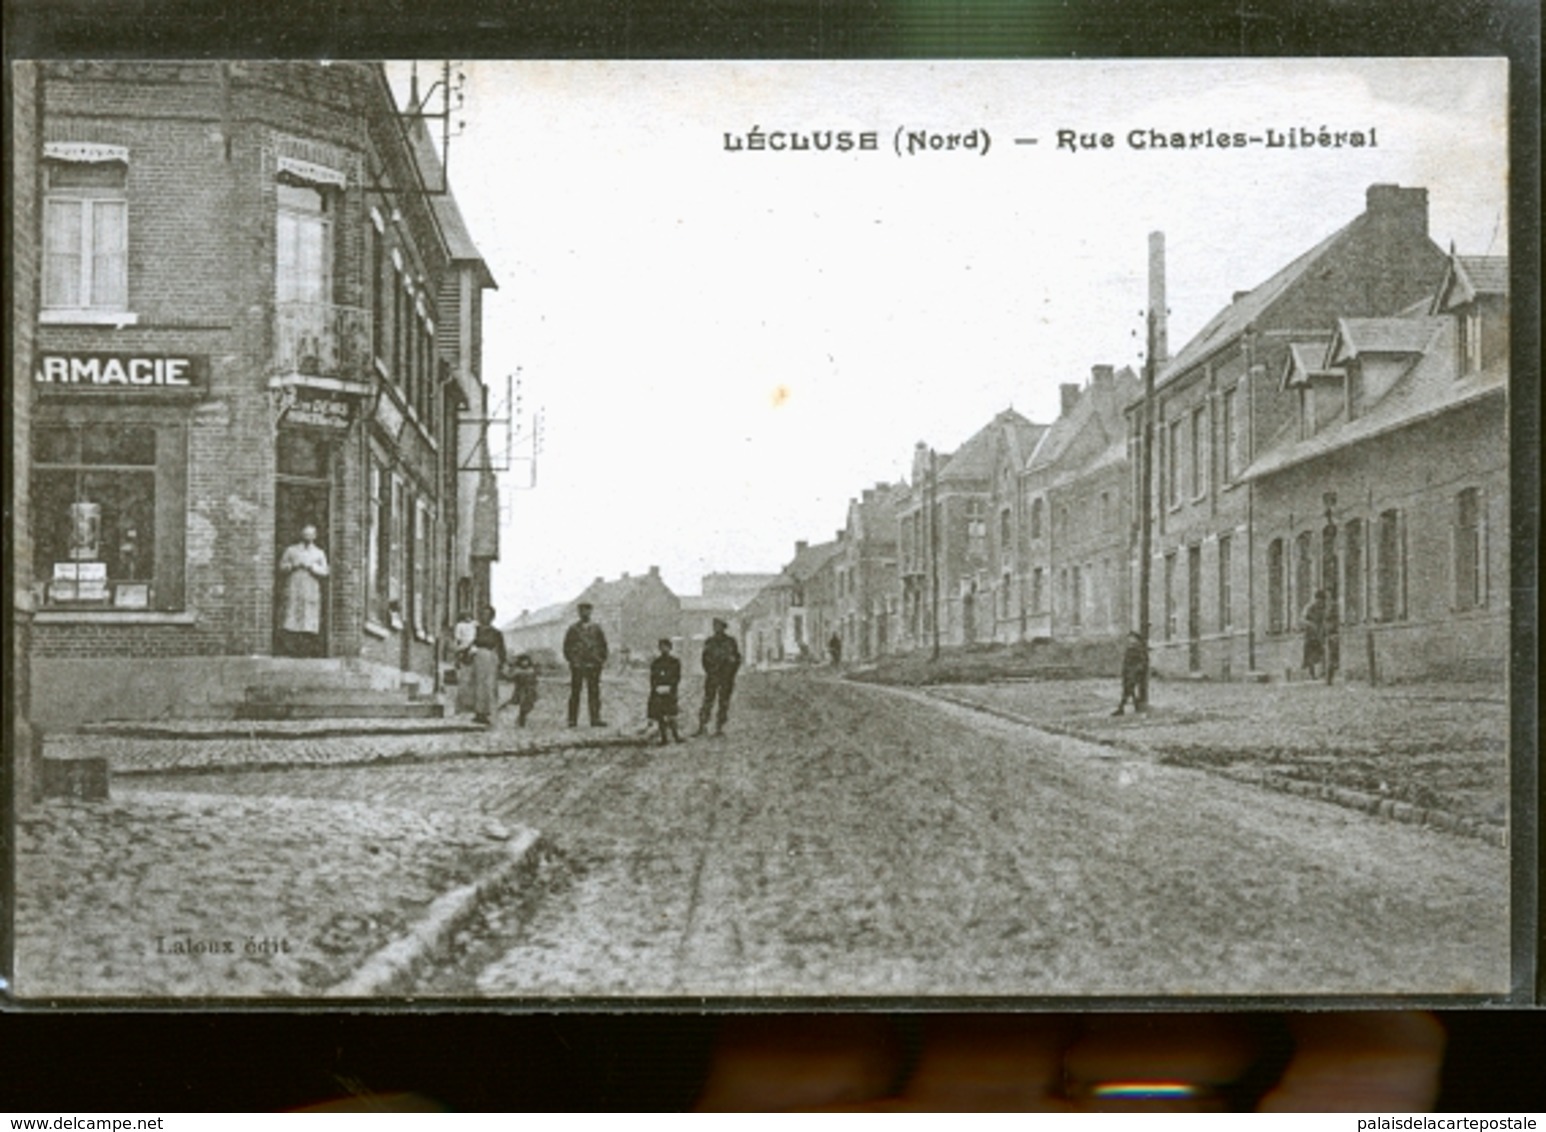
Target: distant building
x=540 y=632
x=635 y=612
x=867 y=585
x=788 y=620
x=1076 y=492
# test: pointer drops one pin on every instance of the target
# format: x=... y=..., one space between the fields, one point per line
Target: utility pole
x=933 y=497
x=1151 y=352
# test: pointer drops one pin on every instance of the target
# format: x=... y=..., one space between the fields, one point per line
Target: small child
x=524 y=694
x=665 y=679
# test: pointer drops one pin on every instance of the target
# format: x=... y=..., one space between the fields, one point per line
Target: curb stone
x=400 y=958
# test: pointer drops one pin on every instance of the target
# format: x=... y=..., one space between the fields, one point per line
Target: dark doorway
x=1194 y=608
x=302 y=496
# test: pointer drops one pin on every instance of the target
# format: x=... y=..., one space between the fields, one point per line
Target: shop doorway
x=303 y=497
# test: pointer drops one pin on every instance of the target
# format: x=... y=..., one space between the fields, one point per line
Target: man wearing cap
x=585 y=648
x=721 y=661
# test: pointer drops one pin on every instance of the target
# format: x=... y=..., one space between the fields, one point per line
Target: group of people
x=481 y=657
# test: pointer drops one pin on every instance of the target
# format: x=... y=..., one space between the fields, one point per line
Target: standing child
x=665 y=680
x=524 y=695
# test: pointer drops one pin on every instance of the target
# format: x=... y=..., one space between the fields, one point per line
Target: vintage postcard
x=607 y=532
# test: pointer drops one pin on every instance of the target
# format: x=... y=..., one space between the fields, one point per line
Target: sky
x=727 y=345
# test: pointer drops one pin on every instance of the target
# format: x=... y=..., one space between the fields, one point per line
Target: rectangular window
x=1199 y=451
x=1105 y=511
x=380 y=545
x=1470 y=342
x=1076 y=610
x=976 y=528
x=303 y=271
x=1108 y=570
x=107 y=514
x=1038 y=507
x=1276 y=599
x=1038 y=590
x=1390 y=577
x=397 y=559
x=1226 y=589
x=1173 y=464
x=378 y=285
x=1170 y=596
x=1003 y=533
x=1304 y=574
x=1227 y=433
x=1469 y=566
x=1353 y=572
x=85 y=236
x=421 y=570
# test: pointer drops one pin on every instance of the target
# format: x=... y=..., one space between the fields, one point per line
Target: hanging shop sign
x=324 y=409
x=141 y=376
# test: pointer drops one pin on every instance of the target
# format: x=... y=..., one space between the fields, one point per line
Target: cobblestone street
x=840 y=839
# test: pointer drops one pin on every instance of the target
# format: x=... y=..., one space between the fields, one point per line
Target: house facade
x=240 y=334
x=1388 y=489
x=635 y=611
x=1218 y=404
x=866 y=582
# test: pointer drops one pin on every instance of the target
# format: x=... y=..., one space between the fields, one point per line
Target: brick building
x=1077 y=494
x=1388 y=488
x=635 y=611
x=1218 y=405
x=247 y=326
x=866 y=585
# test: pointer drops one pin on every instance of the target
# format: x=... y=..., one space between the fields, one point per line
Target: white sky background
x=657 y=292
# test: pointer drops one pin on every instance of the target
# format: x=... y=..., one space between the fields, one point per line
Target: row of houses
x=1339 y=427
x=245 y=302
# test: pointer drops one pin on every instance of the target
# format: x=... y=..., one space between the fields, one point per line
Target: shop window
x=85 y=236
x=106 y=501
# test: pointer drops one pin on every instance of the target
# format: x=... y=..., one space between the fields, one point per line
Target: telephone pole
x=1151 y=358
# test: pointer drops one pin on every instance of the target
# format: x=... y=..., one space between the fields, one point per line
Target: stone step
x=199 y=730
x=312 y=694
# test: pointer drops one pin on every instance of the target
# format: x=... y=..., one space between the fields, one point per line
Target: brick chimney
x=654 y=571
x=1103 y=375
x=1070 y=397
x=801 y=546
x=1409 y=206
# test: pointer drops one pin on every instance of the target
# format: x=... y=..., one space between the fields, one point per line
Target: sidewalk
x=1413 y=752
x=190 y=896
x=197 y=746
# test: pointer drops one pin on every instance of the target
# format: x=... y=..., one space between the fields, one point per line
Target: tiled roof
x=452 y=225
x=1429 y=387
x=1100 y=405
x=1381 y=336
x=811 y=559
x=974 y=459
x=1487 y=274
x=1233 y=319
x=547 y=615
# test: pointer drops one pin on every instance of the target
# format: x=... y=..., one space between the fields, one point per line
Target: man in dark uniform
x=585 y=648
x=721 y=661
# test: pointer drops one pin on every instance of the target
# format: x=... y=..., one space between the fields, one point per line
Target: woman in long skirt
x=488 y=657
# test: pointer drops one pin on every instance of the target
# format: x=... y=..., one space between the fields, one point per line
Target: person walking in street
x=523 y=695
x=665 y=680
x=1135 y=661
x=835 y=650
x=1314 y=618
x=488 y=658
x=585 y=649
x=721 y=661
x=302 y=567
